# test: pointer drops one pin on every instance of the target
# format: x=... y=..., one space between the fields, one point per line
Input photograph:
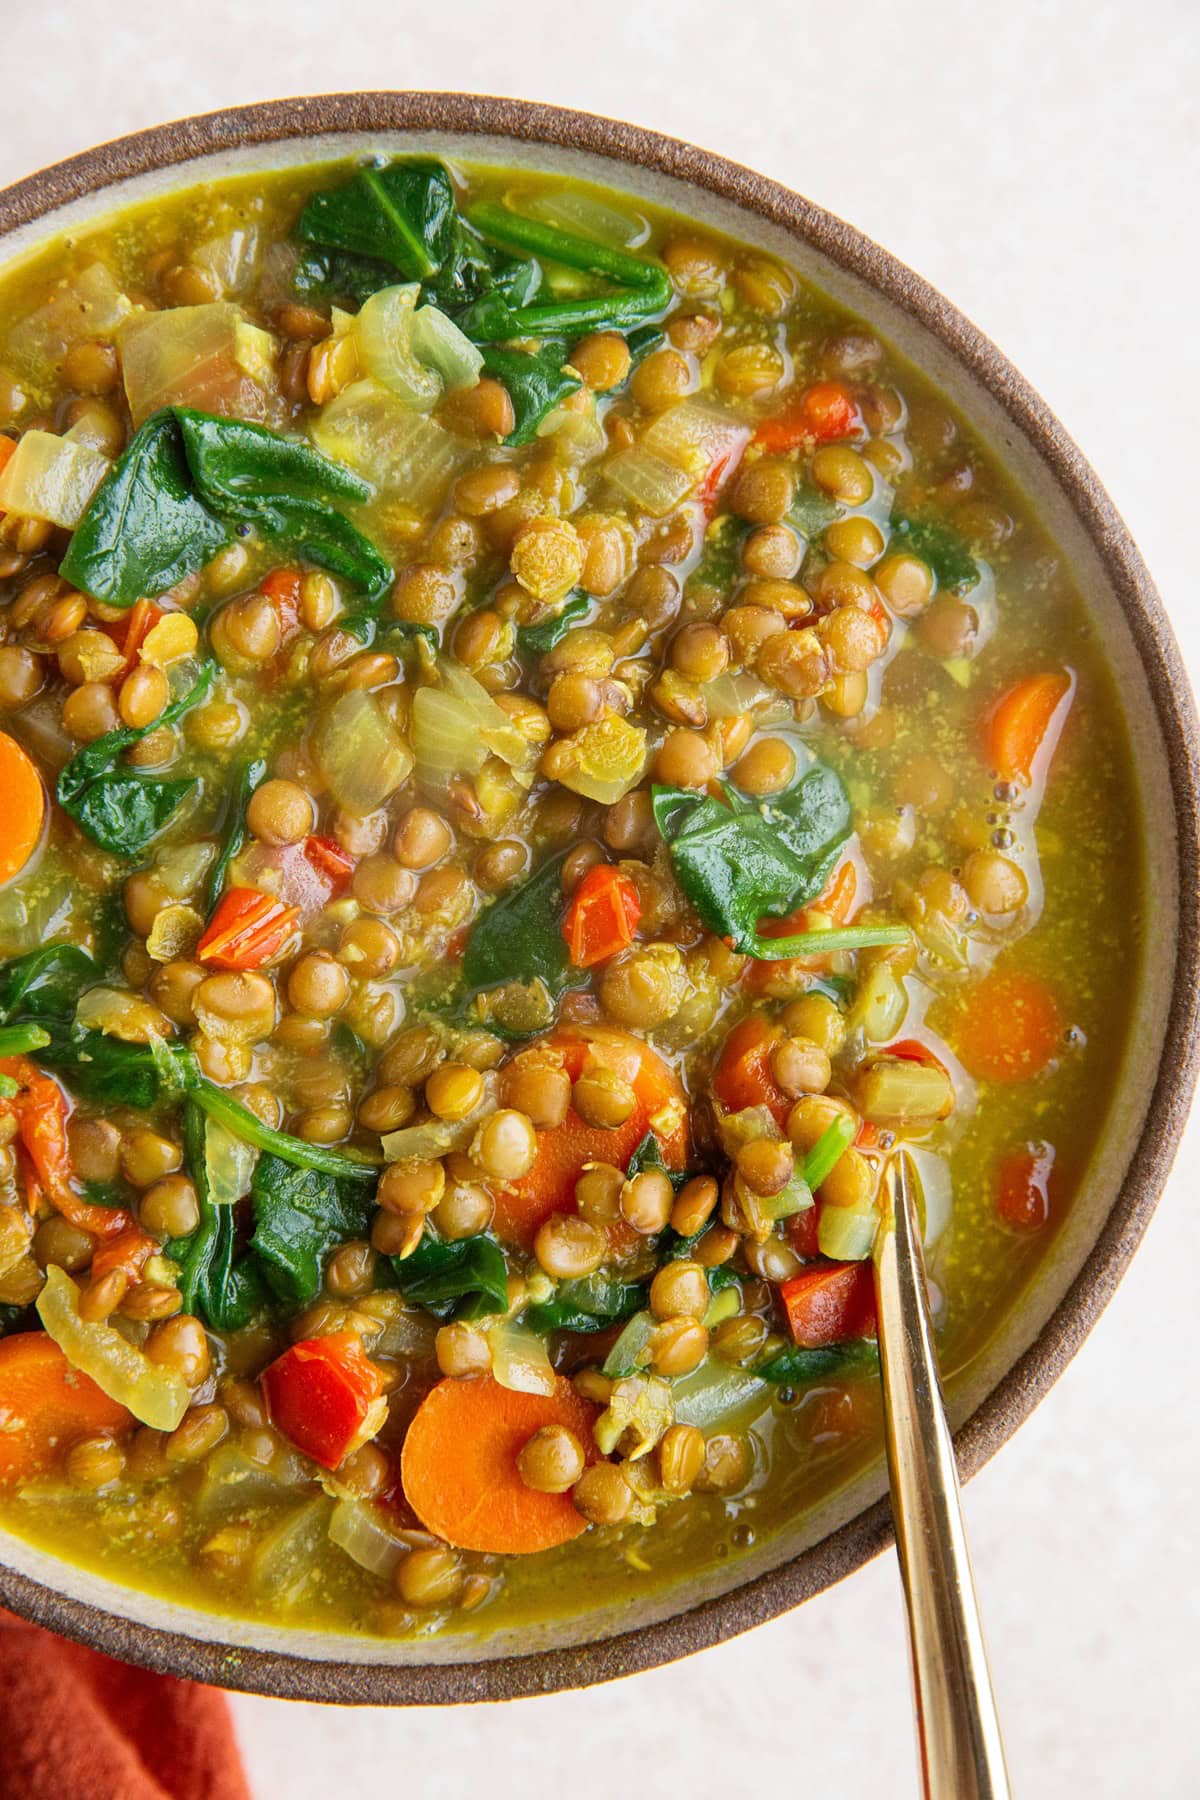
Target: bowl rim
x=285 y=1675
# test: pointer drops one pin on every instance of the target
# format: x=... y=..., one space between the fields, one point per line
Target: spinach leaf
x=644 y=287
x=648 y=1155
x=537 y=382
x=145 y=528
x=811 y=511
x=590 y=1304
x=19 y=1040
x=45 y=983
x=300 y=1215
x=219 y=1104
x=742 y=861
x=336 y=275
x=642 y=341
x=403 y=215
x=246 y=777
x=519 y=937
x=121 y=810
x=939 y=546
x=440 y=1274
x=536 y=640
x=17 y=1318
x=100 y=1068
x=222 y=1289
x=796 y=1364
x=187 y=481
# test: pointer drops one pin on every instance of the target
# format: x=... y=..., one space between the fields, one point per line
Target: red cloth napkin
x=74 y=1725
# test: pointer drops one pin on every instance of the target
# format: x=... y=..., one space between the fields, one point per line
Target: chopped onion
x=696 y=435
x=361 y=757
x=233 y=1479
x=652 y=483
x=88 y=305
x=228 y=1163
x=457 y=726
x=729 y=694
x=631 y=1349
x=360 y=1530
x=519 y=1359
x=154 y=1393
x=233 y=257
x=51 y=478
x=388 y=444
x=205 y=356
x=118 y=1013
x=847 y=1234
x=439 y=344
x=935 y=1199
x=436 y=1137
x=879 y=1005
x=384 y=329
x=571 y=210
x=285 y=1561
x=901 y=1091
x=713 y=1391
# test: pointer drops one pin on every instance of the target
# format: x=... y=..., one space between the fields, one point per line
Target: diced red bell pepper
x=322 y=1394
x=829 y=1303
x=130 y=1250
x=329 y=859
x=801 y=1233
x=821 y=414
x=602 y=917
x=742 y=1075
x=282 y=589
x=1025 y=1187
x=247 y=929
x=40 y=1108
x=719 y=472
x=140 y=621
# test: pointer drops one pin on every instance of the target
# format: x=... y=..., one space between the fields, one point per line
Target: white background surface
x=1041 y=164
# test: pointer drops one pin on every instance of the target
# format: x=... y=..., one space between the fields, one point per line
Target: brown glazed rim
x=300 y=1678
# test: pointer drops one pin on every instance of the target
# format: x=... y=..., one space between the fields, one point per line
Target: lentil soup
x=536 y=750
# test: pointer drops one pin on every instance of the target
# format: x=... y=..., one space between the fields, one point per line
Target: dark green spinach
x=739 y=861
x=188 y=481
x=537 y=382
x=939 y=546
x=537 y=640
x=402 y=215
x=120 y=809
x=45 y=983
x=519 y=938
x=246 y=777
x=797 y=1365
x=300 y=1216
x=463 y=1276
x=590 y=1304
x=219 y=1286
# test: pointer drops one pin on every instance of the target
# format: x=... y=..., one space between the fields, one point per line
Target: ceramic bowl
x=1138 y=1140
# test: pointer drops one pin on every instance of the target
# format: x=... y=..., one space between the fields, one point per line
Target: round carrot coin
x=45 y=1405
x=24 y=810
x=1009 y=1028
x=459 y=1465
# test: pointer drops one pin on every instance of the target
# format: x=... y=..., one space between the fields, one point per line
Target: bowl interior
x=852 y=1524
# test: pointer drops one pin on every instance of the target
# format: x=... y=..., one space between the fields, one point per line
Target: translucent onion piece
x=652 y=483
x=362 y=758
x=632 y=1346
x=696 y=435
x=388 y=444
x=571 y=210
x=120 y=1014
x=88 y=305
x=286 y=1560
x=155 y=1394
x=729 y=694
x=228 y=1164
x=457 y=726
x=439 y=344
x=196 y=356
x=935 y=1199
x=901 y=1091
x=384 y=329
x=847 y=1234
x=496 y=729
x=360 y=1530
x=232 y=1479
x=640 y=1410
x=713 y=1392
x=233 y=258
x=519 y=1359
x=879 y=1005
x=434 y=1137
x=51 y=478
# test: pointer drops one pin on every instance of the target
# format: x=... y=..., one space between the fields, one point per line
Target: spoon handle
x=959 y=1744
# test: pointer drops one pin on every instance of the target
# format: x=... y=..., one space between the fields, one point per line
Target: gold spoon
x=959 y=1745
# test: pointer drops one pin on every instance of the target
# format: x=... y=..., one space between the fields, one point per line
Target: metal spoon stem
x=959 y=1743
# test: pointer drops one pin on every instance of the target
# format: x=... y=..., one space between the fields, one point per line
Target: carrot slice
x=820 y=414
x=1009 y=1027
x=828 y=1304
x=24 y=811
x=742 y=1075
x=459 y=1465
x=1024 y=721
x=562 y=1152
x=779 y=980
x=45 y=1405
x=7 y=448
